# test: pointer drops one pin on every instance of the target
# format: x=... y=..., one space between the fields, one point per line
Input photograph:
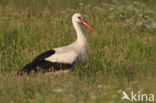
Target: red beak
x=83 y=22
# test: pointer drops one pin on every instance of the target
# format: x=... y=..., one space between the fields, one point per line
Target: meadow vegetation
x=122 y=54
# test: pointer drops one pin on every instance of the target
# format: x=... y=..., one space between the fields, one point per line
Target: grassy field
x=122 y=55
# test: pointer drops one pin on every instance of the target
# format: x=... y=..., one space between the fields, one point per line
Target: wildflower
x=99 y=86
x=81 y=4
x=57 y=90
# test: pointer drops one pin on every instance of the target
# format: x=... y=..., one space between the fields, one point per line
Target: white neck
x=80 y=34
x=81 y=42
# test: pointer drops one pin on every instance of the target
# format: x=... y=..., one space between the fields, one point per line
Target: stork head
x=79 y=19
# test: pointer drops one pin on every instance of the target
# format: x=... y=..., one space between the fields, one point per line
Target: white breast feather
x=63 y=57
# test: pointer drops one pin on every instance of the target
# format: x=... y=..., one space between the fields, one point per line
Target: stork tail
x=28 y=68
x=43 y=67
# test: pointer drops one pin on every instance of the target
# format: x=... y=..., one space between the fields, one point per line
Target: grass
x=122 y=55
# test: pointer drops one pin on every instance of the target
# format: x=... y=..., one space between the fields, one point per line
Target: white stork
x=62 y=58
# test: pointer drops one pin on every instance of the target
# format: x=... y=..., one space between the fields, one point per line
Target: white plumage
x=77 y=51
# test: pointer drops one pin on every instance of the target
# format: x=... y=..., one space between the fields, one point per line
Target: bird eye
x=79 y=17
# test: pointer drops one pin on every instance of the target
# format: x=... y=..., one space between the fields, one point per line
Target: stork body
x=66 y=57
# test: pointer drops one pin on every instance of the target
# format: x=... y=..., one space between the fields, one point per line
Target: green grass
x=122 y=55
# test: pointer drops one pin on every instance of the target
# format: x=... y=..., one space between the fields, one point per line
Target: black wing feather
x=40 y=62
x=37 y=61
x=44 y=55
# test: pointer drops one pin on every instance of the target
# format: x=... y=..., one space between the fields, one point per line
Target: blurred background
x=122 y=55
